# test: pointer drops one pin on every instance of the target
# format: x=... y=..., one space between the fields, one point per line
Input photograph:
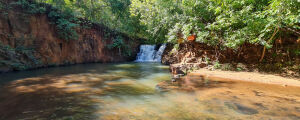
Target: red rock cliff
x=41 y=46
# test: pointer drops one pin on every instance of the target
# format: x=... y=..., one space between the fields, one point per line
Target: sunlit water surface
x=128 y=92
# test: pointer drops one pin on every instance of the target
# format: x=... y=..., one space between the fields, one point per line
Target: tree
x=228 y=23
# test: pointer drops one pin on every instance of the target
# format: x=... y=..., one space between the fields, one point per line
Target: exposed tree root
x=264 y=51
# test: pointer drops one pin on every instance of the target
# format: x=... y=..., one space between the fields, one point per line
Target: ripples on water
x=127 y=92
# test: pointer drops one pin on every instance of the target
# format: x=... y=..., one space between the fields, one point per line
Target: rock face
x=193 y=52
x=193 y=55
x=31 y=41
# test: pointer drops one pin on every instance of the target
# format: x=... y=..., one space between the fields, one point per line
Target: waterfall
x=159 y=53
x=146 y=53
x=149 y=54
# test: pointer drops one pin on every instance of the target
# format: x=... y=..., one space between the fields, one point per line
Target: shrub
x=217 y=65
x=30 y=7
x=64 y=20
x=64 y=25
x=118 y=43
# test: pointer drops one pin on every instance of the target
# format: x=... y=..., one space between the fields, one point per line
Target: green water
x=128 y=92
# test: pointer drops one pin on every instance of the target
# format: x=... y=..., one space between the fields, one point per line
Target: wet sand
x=235 y=99
x=247 y=76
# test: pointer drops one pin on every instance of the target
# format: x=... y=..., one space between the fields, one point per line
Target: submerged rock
x=241 y=108
x=167 y=86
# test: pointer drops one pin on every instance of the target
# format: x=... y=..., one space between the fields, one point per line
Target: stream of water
x=128 y=92
x=149 y=54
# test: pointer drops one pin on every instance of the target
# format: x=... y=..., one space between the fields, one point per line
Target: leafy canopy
x=229 y=23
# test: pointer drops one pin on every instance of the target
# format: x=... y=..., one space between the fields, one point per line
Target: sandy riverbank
x=247 y=76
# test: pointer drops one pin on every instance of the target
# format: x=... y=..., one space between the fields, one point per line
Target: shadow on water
x=41 y=99
x=65 y=92
x=53 y=71
x=82 y=68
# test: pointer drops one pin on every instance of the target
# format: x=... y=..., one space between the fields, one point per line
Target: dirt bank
x=31 y=40
x=283 y=58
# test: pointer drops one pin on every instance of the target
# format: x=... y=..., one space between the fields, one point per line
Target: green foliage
x=5 y=47
x=229 y=23
x=224 y=23
x=114 y=14
x=2 y=5
x=30 y=7
x=296 y=52
x=207 y=60
x=227 y=67
x=118 y=43
x=29 y=53
x=65 y=20
x=14 y=57
x=65 y=24
x=239 y=69
x=217 y=65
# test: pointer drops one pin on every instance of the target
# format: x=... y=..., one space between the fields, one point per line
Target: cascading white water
x=159 y=53
x=146 y=53
x=149 y=54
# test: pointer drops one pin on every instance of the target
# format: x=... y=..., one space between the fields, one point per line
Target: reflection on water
x=127 y=92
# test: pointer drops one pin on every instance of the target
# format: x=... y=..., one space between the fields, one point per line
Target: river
x=127 y=91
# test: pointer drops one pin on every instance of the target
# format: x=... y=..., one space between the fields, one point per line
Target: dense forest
x=227 y=23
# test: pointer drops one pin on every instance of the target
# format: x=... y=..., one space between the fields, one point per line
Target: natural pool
x=128 y=92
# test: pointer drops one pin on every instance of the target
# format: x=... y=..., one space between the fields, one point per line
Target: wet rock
x=261 y=106
x=177 y=69
x=173 y=80
x=178 y=76
x=184 y=68
x=297 y=109
x=258 y=93
x=245 y=110
x=166 y=86
x=159 y=88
